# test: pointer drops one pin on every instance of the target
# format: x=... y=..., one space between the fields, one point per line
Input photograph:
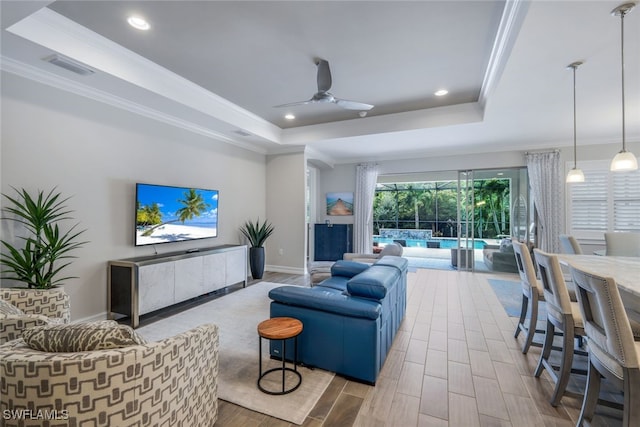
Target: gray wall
x=95 y=154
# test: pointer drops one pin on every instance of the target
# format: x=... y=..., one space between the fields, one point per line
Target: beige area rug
x=237 y=315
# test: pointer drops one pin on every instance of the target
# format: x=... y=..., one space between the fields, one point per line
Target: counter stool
x=280 y=328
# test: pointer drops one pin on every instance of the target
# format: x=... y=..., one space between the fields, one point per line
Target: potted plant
x=44 y=250
x=257 y=234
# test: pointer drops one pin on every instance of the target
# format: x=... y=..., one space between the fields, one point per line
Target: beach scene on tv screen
x=173 y=214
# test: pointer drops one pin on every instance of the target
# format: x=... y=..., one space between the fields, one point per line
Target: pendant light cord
x=622 y=13
x=575 y=156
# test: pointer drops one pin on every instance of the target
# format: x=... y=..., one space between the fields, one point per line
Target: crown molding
x=41 y=76
x=60 y=34
x=512 y=17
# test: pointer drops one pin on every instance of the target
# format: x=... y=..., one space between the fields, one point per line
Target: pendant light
x=575 y=174
x=625 y=160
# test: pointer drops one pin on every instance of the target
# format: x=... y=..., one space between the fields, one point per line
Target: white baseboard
x=285 y=269
x=95 y=317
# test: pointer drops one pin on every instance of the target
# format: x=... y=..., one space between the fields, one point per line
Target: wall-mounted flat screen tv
x=174 y=214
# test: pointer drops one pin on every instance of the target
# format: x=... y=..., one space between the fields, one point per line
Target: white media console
x=140 y=285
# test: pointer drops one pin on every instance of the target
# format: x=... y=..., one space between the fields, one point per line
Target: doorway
x=464 y=210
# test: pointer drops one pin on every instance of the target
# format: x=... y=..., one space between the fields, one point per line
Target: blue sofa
x=350 y=319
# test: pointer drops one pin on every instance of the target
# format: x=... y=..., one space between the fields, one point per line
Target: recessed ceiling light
x=441 y=92
x=138 y=22
x=289 y=116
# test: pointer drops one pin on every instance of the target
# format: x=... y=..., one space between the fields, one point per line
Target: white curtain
x=366 y=179
x=545 y=180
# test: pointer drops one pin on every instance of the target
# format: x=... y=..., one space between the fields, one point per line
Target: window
x=606 y=201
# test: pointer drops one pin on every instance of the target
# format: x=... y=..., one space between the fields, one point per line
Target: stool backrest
x=569 y=245
x=525 y=265
x=555 y=289
x=622 y=243
x=605 y=321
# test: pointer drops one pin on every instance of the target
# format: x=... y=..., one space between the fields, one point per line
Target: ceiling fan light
x=624 y=161
x=575 y=175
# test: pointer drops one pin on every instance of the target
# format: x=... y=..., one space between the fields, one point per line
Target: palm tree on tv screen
x=193 y=206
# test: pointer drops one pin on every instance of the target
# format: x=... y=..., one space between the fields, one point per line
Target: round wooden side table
x=280 y=328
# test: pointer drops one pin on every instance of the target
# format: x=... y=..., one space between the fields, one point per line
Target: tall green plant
x=46 y=249
x=257 y=233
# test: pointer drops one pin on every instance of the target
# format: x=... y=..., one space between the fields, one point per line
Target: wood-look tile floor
x=454 y=362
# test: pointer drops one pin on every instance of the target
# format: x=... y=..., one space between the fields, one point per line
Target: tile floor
x=453 y=363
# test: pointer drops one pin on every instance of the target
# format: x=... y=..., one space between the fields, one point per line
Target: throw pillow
x=101 y=335
x=8 y=309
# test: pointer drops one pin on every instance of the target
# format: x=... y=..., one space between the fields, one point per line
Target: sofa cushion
x=325 y=299
x=335 y=282
x=373 y=282
x=8 y=309
x=91 y=336
x=347 y=268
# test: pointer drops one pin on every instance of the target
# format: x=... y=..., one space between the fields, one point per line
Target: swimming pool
x=420 y=243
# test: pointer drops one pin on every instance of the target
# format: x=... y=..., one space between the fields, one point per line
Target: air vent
x=242 y=132
x=69 y=64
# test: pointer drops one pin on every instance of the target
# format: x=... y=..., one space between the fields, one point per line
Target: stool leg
x=295 y=353
x=260 y=357
x=284 y=352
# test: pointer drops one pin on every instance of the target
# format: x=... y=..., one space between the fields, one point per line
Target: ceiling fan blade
x=324 y=75
x=353 y=105
x=293 y=104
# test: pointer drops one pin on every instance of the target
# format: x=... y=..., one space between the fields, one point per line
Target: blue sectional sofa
x=350 y=319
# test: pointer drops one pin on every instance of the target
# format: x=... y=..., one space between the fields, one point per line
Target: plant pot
x=256 y=262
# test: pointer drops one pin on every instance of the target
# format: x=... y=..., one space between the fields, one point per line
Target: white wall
x=286 y=209
x=96 y=154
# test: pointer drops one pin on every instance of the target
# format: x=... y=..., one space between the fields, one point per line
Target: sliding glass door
x=493 y=204
x=446 y=218
x=463 y=256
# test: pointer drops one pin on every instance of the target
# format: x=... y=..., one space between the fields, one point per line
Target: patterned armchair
x=172 y=382
x=35 y=307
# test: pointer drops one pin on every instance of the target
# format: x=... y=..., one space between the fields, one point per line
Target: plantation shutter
x=626 y=201
x=605 y=201
x=589 y=202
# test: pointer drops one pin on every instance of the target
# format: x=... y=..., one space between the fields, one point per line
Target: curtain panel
x=366 y=179
x=545 y=179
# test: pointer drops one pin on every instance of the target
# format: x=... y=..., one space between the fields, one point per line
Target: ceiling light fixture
x=289 y=116
x=575 y=174
x=138 y=22
x=625 y=160
x=441 y=92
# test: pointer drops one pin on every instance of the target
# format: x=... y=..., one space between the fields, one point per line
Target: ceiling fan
x=323 y=95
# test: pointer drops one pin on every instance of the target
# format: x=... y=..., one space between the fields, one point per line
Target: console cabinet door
x=189 y=279
x=155 y=286
x=214 y=270
x=236 y=266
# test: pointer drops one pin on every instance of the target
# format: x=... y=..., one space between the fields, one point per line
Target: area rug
x=237 y=315
x=510 y=295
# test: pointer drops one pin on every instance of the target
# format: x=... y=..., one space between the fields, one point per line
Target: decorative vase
x=256 y=262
